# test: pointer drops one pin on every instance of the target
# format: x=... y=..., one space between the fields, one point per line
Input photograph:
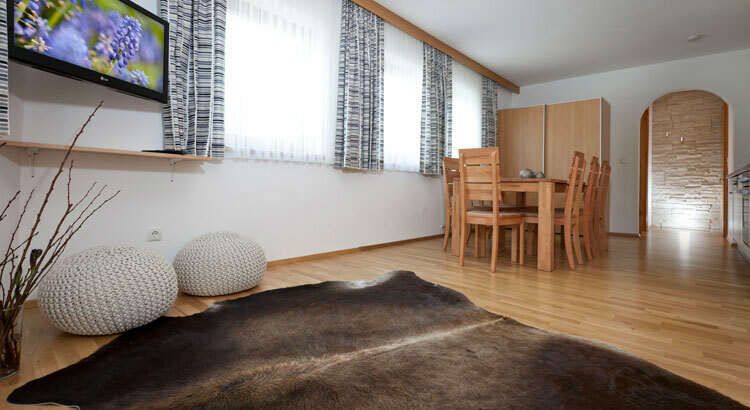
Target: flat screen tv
x=111 y=42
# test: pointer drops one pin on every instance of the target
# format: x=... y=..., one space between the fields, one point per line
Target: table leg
x=455 y=227
x=605 y=226
x=546 y=230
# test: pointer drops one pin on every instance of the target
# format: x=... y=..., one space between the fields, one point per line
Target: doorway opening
x=684 y=139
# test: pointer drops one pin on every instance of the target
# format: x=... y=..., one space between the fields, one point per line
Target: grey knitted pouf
x=107 y=290
x=219 y=264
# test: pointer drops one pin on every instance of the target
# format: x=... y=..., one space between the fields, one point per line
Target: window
x=402 y=100
x=281 y=74
x=467 y=109
x=281 y=84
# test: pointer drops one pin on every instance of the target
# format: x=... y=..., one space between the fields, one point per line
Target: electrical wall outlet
x=154 y=235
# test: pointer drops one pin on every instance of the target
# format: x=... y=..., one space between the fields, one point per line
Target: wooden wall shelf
x=105 y=151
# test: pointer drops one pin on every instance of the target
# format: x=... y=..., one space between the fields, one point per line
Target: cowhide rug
x=395 y=342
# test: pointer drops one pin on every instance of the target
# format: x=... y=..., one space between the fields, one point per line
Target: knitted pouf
x=107 y=290
x=218 y=264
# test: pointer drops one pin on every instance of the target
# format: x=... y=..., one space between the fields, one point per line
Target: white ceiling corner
x=533 y=41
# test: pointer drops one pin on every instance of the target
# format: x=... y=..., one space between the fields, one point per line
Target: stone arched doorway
x=683 y=167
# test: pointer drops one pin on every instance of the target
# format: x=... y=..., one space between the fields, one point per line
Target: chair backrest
x=592 y=182
x=480 y=176
x=575 y=185
x=602 y=190
x=450 y=172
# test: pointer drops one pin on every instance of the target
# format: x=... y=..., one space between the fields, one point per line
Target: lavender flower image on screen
x=104 y=35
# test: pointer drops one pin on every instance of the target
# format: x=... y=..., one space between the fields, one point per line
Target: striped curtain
x=194 y=115
x=437 y=109
x=359 y=111
x=4 y=99
x=489 y=112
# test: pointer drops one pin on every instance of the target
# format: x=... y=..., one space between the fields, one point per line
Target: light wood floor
x=680 y=300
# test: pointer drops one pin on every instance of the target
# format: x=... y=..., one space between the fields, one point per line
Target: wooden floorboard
x=678 y=299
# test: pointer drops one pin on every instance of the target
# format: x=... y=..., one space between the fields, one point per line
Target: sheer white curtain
x=402 y=100
x=467 y=109
x=281 y=73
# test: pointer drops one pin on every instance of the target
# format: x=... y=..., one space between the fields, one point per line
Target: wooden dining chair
x=570 y=216
x=600 y=221
x=589 y=207
x=450 y=172
x=480 y=181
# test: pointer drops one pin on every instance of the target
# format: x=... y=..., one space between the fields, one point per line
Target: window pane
x=402 y=100
x=281 y=68
x=467 y=109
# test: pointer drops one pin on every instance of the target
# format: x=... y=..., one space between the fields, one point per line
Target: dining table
x=545 y=189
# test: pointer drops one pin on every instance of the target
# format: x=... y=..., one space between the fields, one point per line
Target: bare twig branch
x=59 y=239
x=52 y=184
x=72 y=209
x=10 y=254
x=59 y=250
x=22 y=268
x=14 y=249
x=3 y=213
x=70 y=176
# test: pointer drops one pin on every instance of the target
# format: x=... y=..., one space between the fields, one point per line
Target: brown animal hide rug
x=394 y=342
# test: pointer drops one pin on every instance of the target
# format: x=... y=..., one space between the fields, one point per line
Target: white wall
x=630 y=91
x=298 y=209
x=9 y=183
x=291 y=209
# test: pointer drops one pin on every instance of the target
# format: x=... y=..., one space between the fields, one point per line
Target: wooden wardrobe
x=543 y=137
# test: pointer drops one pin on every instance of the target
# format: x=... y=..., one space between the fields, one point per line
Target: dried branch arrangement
x=22 y=266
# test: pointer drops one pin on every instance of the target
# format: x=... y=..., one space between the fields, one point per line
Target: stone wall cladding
x=687 y=161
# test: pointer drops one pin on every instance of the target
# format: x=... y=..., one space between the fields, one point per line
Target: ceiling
x=533 y=41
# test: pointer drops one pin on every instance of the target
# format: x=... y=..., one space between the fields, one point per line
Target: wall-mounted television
x=110 y=42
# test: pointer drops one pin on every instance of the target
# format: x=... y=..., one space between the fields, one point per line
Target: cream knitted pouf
x=107 y=290
x=219 y=264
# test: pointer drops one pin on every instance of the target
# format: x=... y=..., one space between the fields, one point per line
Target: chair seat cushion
x=503 y=207
x=488 y=212
x=534 y=211
x=559 y=213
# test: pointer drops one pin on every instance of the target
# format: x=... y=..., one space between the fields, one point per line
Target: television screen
x=112 y=42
